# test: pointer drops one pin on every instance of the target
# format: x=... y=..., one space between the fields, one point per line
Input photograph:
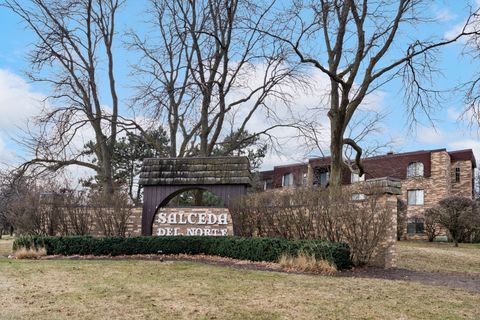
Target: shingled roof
x=195 y=171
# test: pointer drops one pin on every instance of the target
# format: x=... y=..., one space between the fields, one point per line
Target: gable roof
x=195 y=171
x=388 y=165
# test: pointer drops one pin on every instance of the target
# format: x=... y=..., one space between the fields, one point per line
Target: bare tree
x=23 y=206
x=79 y=216
x=459 y=215
x=9 y=192
x=111 y=220
x=73 y=51
x=432 y=228
x=353 y=43
x=206 y=68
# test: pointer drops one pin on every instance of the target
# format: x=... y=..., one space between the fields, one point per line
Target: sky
x=21 y=100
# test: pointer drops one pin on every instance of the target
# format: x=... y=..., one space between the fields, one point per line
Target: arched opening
x=193 y=197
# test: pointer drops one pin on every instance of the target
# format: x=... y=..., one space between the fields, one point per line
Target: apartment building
x=427 y=176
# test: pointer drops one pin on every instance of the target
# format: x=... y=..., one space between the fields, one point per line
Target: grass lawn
x=438 y=257
x=60 y=289
x=150 y=290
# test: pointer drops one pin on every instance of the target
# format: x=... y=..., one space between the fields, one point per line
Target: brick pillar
x=387 y=190
x=309 y=175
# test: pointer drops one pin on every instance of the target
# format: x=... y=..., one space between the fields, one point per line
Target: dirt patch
x=452 y=280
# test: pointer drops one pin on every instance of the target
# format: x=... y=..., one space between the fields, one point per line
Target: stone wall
x=464 y=187
x=134 y=227
x=385 y=255
x=134 y=221
x=134 y=224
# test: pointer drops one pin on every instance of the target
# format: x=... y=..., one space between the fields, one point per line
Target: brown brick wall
x=464 y=187
x=439 y=185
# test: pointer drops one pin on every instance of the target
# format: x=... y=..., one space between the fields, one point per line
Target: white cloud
x=453 y=114
x=456 y=29
x=17 y=101
x=444 y=15
x=430 y=135
x=7 y=156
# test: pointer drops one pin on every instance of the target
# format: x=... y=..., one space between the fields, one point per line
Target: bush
x=460 y=216
x=244 y=248
x=357 y=215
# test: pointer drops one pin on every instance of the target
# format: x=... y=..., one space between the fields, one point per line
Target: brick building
x=427 y=176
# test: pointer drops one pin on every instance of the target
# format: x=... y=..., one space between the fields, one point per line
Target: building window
x=415 y=197
x=457 y=175
x=324 y=178
x=267 y=184
x=415 y=226
x=357 y=178
x=321 y=176
x=358 y=197
x=415 y=169
x=287 y=180
x=304 y=179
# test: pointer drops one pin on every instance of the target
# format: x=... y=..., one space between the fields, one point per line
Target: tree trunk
x=336 y=148
x=198 y=197
x=108 y=183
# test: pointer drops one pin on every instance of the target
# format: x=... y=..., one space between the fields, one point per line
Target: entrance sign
x=193 y=221
x=165 y=178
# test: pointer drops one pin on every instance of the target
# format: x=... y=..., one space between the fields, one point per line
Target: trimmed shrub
x=244 y=248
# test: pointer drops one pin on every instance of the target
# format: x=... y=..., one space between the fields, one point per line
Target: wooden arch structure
x=164 y=178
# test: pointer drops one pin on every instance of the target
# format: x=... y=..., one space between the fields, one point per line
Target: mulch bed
x=470 y=282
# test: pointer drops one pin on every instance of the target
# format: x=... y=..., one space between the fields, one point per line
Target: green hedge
x=245 y=248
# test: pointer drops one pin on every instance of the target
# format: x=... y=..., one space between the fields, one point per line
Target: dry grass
x=24 y=253
x=65 y=289
x=306 y=263
x=438 y=257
